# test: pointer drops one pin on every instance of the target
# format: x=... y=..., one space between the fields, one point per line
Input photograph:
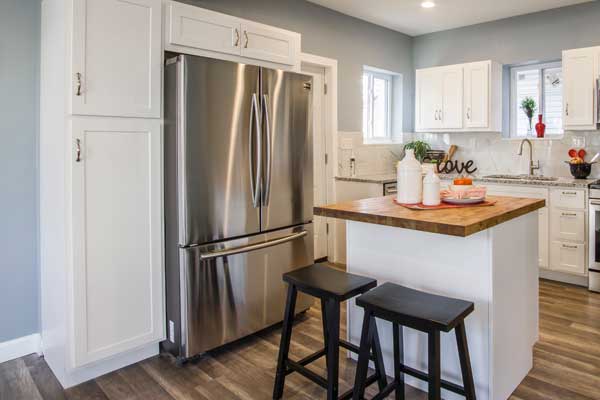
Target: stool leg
x=284 y=346
x=398 y=333
x=379 y=366
x=465 y=361
x=325 y=333
x=362 y=368
x=332 y=310
x=435 y=391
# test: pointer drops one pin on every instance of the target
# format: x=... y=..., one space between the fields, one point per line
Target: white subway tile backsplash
x=491 y=153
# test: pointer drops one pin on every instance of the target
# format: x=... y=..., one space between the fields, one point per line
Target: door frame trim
x=330 y=114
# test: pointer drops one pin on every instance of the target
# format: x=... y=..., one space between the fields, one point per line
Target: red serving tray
x=443 y=206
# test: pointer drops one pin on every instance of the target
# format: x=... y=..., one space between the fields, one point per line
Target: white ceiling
x=407 y=16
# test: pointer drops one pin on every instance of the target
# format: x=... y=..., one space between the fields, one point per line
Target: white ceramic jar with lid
x=431 y=189
x=410 y=179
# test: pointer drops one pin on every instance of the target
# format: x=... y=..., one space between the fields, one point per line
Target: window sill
x=535 y=139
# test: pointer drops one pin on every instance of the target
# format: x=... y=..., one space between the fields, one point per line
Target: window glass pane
x=366 y=105
x=552 y=110
x=527 y=85
x=380 y=93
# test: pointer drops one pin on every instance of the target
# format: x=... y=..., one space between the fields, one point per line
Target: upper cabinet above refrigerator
x=196 y=31
x=116 y=71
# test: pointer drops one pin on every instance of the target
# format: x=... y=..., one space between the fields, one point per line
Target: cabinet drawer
x=567 y=198
x=567 y=257
x=568 y=225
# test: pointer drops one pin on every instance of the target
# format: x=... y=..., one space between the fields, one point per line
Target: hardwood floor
x=566 y=364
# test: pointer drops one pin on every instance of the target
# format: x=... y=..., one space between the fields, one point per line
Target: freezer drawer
x=228 y=292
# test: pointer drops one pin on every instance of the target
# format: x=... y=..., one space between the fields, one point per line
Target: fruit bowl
x=580 y=170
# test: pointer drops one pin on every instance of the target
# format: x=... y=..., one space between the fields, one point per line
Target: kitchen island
x=487 y=255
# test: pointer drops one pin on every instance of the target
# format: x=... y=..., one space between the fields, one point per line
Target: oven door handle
x=595 y=203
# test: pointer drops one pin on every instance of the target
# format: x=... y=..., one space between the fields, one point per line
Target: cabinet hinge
x=325 y=88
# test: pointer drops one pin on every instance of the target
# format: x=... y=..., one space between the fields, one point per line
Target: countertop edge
x=427 y=226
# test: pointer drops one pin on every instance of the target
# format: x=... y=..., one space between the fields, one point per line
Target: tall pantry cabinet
x=101 y=226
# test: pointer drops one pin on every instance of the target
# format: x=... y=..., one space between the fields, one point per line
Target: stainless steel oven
x=594 y=238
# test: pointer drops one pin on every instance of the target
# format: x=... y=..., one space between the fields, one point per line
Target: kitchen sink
x=522 y=177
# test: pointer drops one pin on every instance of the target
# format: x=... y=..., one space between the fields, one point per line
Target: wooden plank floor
x=566 y=366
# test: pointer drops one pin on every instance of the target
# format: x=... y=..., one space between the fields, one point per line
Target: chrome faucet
x=532 y=166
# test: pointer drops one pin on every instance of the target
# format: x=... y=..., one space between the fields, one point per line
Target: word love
x=452 y=166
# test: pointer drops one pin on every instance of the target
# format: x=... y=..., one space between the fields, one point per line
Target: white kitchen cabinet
x=204 y=29
x=568 y=225
x=568 y=257
x=196 y=31
x=117 y=244
x=450 y=112
x=477 y=88
x=116 y=58
x=429 y=99
x=267 y=43
x=462 y=97
x=580 y=72
x=100 y=186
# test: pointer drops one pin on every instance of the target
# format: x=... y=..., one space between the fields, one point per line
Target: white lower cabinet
x=568 y=257
x=117 y=247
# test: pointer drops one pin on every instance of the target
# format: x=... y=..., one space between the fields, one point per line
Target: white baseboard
x=20 y=347
x=564 y=277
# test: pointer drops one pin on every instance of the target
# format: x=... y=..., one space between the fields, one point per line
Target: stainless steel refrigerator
x=238 y=198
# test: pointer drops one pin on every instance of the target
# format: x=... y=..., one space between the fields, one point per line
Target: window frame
x=389 y=77
x=541 y=67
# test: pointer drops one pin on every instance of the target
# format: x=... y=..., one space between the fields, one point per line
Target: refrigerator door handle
x=257 y=246
x=254 y=178
x=265 y=107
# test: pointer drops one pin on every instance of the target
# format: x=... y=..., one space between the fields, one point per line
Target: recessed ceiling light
x=428 y=4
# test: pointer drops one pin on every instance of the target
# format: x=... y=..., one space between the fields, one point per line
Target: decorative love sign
x=452 y=166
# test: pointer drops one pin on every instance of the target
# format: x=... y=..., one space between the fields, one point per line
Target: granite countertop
x=453 y=221
x=561 y=182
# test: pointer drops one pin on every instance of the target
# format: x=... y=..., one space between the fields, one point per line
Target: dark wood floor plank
x=16 y=383
x=143 y=384
x=45 y=381
x=86 y=391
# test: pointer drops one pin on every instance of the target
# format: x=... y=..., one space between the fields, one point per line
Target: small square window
x=378 y=88
x=544 y=84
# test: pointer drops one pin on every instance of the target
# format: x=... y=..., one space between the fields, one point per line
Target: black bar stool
x=427 y=313
x=332 y=287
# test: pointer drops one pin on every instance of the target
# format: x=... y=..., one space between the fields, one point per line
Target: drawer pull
x=568 y=214
x=570 y=193
x=566 y=246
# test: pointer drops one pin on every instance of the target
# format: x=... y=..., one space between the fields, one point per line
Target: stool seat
x=415 y=309
x=322 y=281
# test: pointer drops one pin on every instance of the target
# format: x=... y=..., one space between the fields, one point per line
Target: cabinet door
x=568 y=225
x=202 y=29
x=117 y=58
x=429 y=99
x=579 y=79
x=117 y=248
x=477 y=83
x=568 y=257
x=452 y=97
x=270 y=44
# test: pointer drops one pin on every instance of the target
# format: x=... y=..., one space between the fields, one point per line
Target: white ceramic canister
x=431 y=189
x=410 y=180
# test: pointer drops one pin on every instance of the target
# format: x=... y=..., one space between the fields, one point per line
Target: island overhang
x=455 y=221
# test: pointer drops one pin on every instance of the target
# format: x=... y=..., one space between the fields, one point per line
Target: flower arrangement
x=529 y=106
x=420 y=147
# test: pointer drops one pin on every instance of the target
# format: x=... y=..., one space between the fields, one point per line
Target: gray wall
x=535 y=37
x=19 y=82
x=352 y=42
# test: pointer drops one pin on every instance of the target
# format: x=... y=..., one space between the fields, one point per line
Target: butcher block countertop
x=454 y=221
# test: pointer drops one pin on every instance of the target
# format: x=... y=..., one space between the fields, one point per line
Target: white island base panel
x=495 y=268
